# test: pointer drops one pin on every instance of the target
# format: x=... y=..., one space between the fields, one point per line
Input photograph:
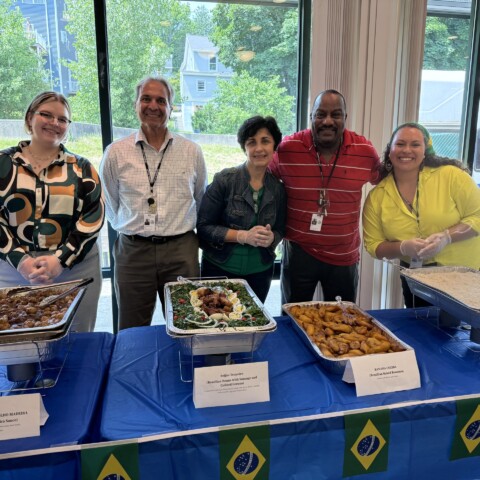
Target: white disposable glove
x=48 y=269
x=257 y=236
x=435 y=244
x=26 y=267
x=411 y=248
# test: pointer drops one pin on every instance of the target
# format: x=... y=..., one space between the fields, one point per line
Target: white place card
x=231 y=385
x=20 y=416
x=383 y=373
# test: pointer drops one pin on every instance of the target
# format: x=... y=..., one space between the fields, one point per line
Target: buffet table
x=72 y=404
x=146 y=399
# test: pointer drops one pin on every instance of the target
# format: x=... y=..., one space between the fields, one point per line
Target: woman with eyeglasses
x=242 y=214
x=51 y=208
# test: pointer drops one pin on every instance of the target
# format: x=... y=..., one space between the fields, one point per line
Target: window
x=213 y=64
x=201 y=85
x=446 y=61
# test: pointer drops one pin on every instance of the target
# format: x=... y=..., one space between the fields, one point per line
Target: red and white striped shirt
x=297 y=164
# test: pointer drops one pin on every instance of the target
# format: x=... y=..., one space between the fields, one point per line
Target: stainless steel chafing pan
x=211 y=341
x=16 y=335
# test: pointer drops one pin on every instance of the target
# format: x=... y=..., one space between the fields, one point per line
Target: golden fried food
x=342 y=332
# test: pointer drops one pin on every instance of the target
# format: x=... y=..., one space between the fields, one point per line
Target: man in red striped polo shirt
x=324 y=169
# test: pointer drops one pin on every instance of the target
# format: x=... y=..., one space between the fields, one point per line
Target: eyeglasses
x=48 y=117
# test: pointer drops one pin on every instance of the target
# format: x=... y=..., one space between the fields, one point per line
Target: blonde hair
x=39 y=100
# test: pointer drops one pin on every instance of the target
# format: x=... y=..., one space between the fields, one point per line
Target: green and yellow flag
x=245 y=453
x=467 y=429
x=111 y=463
x=366 y=443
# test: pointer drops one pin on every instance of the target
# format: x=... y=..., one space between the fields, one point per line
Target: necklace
x=43 y=159
x=39 y=162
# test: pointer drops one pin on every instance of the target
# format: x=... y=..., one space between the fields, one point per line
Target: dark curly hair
x=431 y=159
x=251 y=126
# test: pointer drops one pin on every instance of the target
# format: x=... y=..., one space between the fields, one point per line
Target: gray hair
x=161 y=80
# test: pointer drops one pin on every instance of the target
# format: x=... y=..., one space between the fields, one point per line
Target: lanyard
x=323 y=201
x=150 y=181
x=324 y=187
x=416 y=211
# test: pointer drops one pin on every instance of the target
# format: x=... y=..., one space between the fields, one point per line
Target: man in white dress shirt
x=153 y=182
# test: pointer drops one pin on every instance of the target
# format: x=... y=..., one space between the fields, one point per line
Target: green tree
x=271 y=33
x=243 y=97
x=202 y=23
x=142 y=37
x=22 y=72
x=446 y=43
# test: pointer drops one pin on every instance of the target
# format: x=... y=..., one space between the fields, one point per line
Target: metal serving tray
x=210 y=341
x=453 y=307
x=220 y=343
x=30 y=352
x=38 y=334
x=334 y=365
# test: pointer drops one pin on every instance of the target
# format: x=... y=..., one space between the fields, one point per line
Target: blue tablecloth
x=145 y=396
x=144 y=380
x=72 y=404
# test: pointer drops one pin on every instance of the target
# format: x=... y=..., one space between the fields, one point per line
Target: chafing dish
x=336 y=365
x=441 y=298
x=22 y=350
x=20 y=335
x=223 y=338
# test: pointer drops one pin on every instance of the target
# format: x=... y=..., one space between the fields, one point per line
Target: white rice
x=463 y=286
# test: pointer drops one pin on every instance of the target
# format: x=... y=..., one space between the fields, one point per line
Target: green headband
x=429 y=150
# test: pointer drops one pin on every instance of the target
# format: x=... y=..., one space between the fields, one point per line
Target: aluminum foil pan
x=209 y=341
x=37 y=334
x=441 y=298
x=335 y=365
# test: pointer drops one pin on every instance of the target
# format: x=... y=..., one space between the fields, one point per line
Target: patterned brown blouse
x=61 y=209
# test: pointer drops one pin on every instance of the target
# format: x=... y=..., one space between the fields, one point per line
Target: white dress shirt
x=177 y=191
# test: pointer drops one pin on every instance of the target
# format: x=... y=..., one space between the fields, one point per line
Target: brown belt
x=154 y=238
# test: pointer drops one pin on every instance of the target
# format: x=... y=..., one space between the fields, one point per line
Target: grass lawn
x=217 y=157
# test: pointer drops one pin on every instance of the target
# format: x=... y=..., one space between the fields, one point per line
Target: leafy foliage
x=243 y=97
x=143 y=36
x=446 y=43
x=202 y=23
x=22 y=73
x=272 y=33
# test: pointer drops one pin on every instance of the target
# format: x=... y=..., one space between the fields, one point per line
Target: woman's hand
x=27 y=267
x=48 y=268
x=257 y=236
x=435 y=244
x=412 y=248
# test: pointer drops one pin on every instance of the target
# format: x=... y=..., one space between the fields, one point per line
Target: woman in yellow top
x=425 y=211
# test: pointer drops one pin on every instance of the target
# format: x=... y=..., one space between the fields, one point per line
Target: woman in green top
x=242 y=214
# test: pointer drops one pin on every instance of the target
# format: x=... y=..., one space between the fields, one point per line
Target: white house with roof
x=199 y=73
